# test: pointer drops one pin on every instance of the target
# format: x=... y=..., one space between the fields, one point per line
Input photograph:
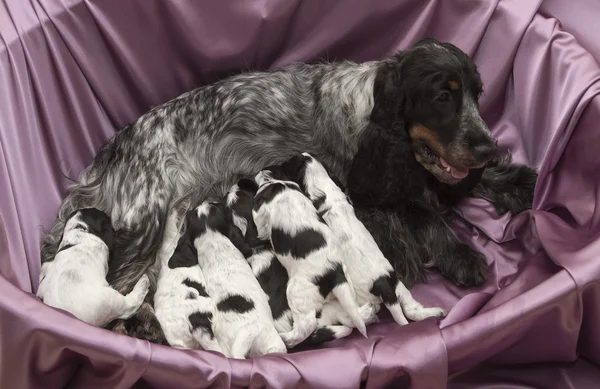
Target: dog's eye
x=443 y=97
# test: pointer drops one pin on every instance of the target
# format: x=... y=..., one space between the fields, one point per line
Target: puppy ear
x=388 y=91
x=194 y=227
x=99 y=224
x=295 y=168
x=235 y=236
x=248 y=185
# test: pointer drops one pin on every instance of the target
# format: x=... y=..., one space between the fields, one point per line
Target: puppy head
x=294 y=169
x=433 y=89
x=270 y=174
x=92 y=221
x=239 y=200
x=309 y=173
x=212 y=215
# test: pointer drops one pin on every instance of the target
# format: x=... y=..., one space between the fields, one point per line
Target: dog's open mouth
x=457 y=172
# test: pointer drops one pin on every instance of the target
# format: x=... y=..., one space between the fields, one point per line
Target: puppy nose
x=486 y=151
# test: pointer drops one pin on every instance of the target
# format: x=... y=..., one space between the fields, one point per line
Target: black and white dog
x=307 y=248
x=183 y=307
x=210 y=137
x=243 y=322
x=76 y=280
x=372 y=275
x=333 y=322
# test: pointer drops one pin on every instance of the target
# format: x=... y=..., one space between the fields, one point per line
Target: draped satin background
x=72 y=72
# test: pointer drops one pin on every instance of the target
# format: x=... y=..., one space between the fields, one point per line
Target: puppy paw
x=143 y=284
x=465 y=267
x=368 y=312
x=434 y=312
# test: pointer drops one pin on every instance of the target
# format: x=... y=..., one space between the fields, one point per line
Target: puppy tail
x=343 y=292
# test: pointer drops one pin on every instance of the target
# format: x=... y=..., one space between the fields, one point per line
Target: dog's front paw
x=465 y=267
x=524 y=187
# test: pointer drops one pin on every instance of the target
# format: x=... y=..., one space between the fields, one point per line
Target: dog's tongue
x=457 y=172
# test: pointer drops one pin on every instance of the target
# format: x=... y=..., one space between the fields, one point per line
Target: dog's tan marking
x=421 y=133
x=453 y=85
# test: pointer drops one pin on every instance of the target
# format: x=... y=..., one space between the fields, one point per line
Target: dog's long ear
x=295 y=168
x=248 y=185
x=99 y=224
x=235 y=236
x=389 y=93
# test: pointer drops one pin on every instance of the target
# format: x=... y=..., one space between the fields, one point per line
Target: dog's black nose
x=485 y=151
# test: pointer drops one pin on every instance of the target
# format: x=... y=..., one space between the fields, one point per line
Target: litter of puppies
x=281 y=261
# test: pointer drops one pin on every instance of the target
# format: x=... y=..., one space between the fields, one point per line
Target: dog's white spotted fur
x=178 y=299
x=243 y=322
x=76 y=280
x=290 y=212
x=365 y=263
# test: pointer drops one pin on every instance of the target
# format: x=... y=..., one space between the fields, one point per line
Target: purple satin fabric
x=73 y=72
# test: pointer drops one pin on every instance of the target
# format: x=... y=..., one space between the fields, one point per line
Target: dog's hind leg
x=304 y=299
x=383 y=287
x=397 y=242
x=134 y=299
x=268 y=342
x=201 y=319
x=333 y=313
x=344 y=293
x=207 y=341
x=305 y=322
x=113 y=305
x=414 y=310
x=242 y=344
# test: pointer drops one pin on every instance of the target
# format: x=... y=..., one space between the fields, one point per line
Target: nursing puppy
x=305 y=246
x=76 y=280
x=273 y=277
x=371 y=273
x=183 y=308
x=243 y=322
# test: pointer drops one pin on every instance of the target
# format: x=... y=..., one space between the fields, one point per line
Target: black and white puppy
x=273 y=277
x=182 y=305
x=306 y=247
x=243 y=322
x=371 y=273
x=76 y=280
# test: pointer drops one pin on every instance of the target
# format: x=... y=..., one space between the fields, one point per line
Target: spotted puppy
x=243 y=322
x=371 y=273
x=273 y=277
x=76 y=280
x=182 y=305
x=305 y=247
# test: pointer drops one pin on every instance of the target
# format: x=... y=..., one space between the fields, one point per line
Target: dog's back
x=182 y=305
x=306 y=247
x=243 y=320
x=364 y=261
